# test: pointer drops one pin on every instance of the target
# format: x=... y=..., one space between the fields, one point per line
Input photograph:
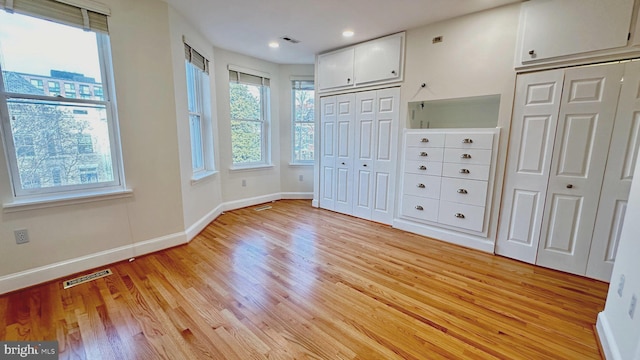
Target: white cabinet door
x=328 y=118
x=379 y=60
x=533 y=128
x=558 y=28
x=335 y=69
x=585 y=124
x=365 y=137
x=623 y=152
x=385 y=154
x=345 y=107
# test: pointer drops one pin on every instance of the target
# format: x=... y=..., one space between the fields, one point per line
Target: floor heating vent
x=265 y=207
x=86 y=278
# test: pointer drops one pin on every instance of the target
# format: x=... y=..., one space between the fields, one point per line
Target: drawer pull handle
x=418 y=207
x=466 y=156
x=424 y=140
x=424 y=154
x=421 y=186
x=422 y=167
x=467 y=141
x=464 y=171
x=462 y=191
x=459 y=216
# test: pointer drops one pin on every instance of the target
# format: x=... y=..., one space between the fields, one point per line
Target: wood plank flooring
x=294 y=282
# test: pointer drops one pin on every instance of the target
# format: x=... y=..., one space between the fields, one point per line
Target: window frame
x=65 y=192
x=265 y=117
x=294 y=122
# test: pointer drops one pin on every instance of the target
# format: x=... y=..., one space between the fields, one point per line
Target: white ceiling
x=247 y=26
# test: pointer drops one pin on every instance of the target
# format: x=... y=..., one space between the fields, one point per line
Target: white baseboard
x=199 y=225
x=296 y=195
x=238 y=204
x=60 y=269
x=607 y=341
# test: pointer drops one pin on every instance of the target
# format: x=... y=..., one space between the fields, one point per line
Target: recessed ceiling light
x=274 y=45
x=347 y=33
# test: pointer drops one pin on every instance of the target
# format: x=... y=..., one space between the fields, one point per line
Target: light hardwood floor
x=294 y=282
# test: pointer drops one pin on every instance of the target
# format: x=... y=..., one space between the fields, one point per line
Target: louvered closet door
x=345 y=136
x=533 y=128
x=623 y=152
x=585 y=124
x=328 y=118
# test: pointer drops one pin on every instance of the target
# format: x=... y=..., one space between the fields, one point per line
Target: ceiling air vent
x=290 y=39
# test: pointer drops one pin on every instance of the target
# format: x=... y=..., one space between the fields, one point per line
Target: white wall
x=70 y=238
x=290 y=174
x=619 y=333
x=202 y=200
x=474 y=59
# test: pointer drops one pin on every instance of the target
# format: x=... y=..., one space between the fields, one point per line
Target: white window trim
x=294 y=161
x=64 y=199
x=58 y=195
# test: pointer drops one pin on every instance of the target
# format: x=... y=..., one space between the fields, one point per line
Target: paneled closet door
x=385 y=154
x=345 y=136
x=536 y=107
x=585 y=124
x=328 y=118
x=623 y=152
x=365 y=135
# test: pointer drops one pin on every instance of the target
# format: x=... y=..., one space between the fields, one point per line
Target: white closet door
x=623 y=152
x=585 y=124
x=328 y=118
x=536 y=107
x=385 y=155
x=345 y=136
x=365 y=137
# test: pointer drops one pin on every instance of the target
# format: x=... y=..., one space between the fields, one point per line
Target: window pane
x=192 y=88
x=304 y=100
x=51 y=135
x=197 y=156
x=246 y=137
x=303 y=147
x=245 y=102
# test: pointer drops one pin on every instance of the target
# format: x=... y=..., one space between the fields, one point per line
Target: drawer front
x=469 y=141
x=460 y=215
x=422 y=154
x=467 y=156
x=420 y=208
x=423 y=167
x=471 y=192
x=421 y=185
x=463 y=171
x=425 y=140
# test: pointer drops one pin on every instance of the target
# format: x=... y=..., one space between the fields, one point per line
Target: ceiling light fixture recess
x=274 y=45
x=347 y=33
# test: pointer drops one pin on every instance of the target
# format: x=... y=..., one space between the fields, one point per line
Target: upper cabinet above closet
x=374 y=62
x=553 y=31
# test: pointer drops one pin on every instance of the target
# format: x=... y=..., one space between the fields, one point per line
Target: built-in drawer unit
x=446 y=178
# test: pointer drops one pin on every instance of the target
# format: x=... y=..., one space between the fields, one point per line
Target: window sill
x=251 y=167
x=62 y=200
x=201 y=176
x=294 y=164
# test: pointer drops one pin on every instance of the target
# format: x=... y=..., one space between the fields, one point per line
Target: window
x=97 y=91
x=200 y=127
x=303 y=121
x=85 y=92
x=37 y=83
x=54 y=88
x=249 y=102
x=69 y=90
x=55 y=145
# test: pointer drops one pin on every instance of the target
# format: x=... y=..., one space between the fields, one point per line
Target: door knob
x=343 y=163
x=421 y=186
x=569 y=186
x=365 y=165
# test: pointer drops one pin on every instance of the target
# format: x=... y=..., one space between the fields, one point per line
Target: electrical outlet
x=621 y=285
x=244 y=183
x=632 y=306
x=301 y=177
x=22 y=236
